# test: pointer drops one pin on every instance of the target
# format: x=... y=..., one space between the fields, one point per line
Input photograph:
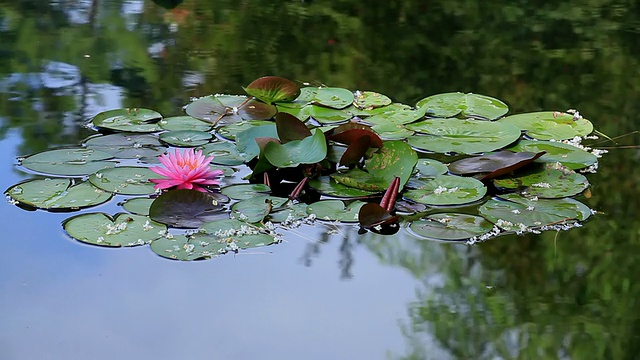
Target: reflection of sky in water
x=64 y=300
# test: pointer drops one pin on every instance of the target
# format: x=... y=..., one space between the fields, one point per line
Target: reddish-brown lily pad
x=271 y=89
x=290 y=128
x=493 y=164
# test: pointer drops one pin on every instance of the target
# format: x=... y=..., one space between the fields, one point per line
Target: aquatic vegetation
x=236 y=169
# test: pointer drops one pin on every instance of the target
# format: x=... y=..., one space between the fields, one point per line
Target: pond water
x=568 y=295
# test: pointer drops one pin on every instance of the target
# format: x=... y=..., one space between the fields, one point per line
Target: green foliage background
x=570 y=294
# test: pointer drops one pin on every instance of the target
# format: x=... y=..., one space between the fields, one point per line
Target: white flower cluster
x=116 y=228
x=495 y=231
x=542 y=185
x=442 y=189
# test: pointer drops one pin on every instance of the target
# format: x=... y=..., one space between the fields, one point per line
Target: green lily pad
x=271 y=89
x=448 y=190
x=246 y=143
x=188 y=208
x=187 y=248
x=236 y=234
x=514 y=212
x=231 y=130
x=138 y=206
x=359 y=179
x=328 y=116
x=430 y=167
x=127 y=145
x=256 y=208
x=68 y=162
x=467 y=105
x=289 y=214
x=57 y=194
x=569 y=155
x=310 y=150
x=394 y=158
x=223 y=152
x=245 y=191
x=548 y=181
x=329 y=187
x=396 y=117
x=336 y=98
x=547 y=125
x=450 y=227
x=177 y=123
x=301 y=113
x=462 y=136
x=186 y=138
x=335 y=210
x=392 y=132
x=370 y=100
x=131 y=120
x=103 y=230
x=127 y=180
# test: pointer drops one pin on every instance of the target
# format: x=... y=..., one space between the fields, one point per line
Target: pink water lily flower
x=185 y=171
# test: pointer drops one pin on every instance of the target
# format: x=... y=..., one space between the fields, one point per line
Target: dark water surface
x=572 y=295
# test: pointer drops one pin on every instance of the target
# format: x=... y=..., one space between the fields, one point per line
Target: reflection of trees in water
x=527 y=297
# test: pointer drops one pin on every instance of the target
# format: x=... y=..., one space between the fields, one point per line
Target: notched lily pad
x=335 y=210
x=131 y=120
x=462 y=136
x=127 y=145
x=569 y=155
x=123 y=230
x=127 y=180
x=368 y=100
x=138 y=206
x=177 y=123
x=513 y=212
x=467 y=105
x=68 y=161
x=448 y=190
x=224 y=153
x=450 y=227
x=329 y=187
x=186 y=138
x=546 y=181
x=332 y=97
x=57 y=194
x=547 y=125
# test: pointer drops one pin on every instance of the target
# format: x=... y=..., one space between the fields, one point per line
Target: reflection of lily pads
x=68 y=162
x=186 y=138
x=335 y=210
x=126 y=180
x=448 y=190
x=57 y=194
x=176 y=123
x=450 y=226
x=125 y=230
x=132 y=120
x=514 y=212
x=188 y=208
x=549 y=181
x=547 y=125
x=462 y=136
x=569 y=155
x=468 y=105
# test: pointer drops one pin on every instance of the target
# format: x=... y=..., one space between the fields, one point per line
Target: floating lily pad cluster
x=450 y=167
